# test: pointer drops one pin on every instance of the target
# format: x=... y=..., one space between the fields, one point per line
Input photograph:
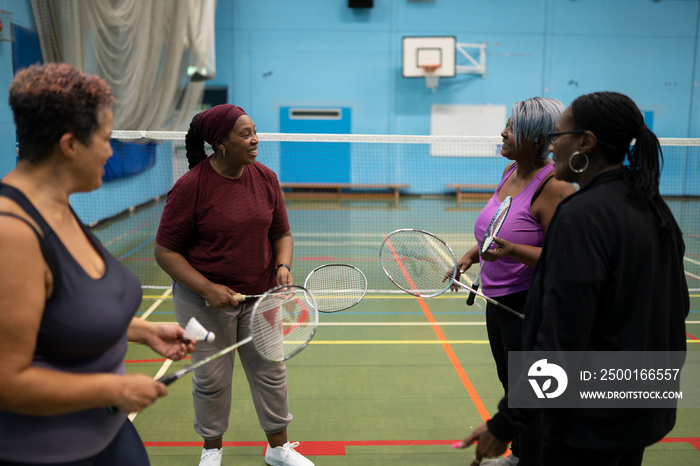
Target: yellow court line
x=158 y=302
x=382 y=296
x=397 y=295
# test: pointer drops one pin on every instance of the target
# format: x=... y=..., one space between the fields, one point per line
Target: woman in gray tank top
x=68 y=306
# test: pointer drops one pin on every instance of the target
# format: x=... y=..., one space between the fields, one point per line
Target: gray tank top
x=83 y=330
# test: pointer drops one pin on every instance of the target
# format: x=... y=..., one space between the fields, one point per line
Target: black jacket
x=609 y=279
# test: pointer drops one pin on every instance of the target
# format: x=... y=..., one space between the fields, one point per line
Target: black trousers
x=125 y=450
x=505 y=333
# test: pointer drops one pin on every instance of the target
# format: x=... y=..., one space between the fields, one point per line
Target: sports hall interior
x=363 y=146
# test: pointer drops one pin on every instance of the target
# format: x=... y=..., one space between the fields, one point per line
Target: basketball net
x=431 y=79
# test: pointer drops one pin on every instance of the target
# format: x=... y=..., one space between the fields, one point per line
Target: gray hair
x=535 y=118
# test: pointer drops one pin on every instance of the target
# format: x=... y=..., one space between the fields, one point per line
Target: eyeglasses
x=552 y=137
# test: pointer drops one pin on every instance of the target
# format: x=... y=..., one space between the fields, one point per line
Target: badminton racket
x=491 y=232
x=282 y=323
x=423 y=265
x=336 y=287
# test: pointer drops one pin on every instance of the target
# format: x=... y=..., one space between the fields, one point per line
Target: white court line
x=158 y=375
x=157 y=303
x=145 y=315
x=692 y=261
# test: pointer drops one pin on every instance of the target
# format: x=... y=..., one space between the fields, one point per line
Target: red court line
x=337 y=448
x=691 y=336
x=327 y=448
x=483 y=412
x=694 y=441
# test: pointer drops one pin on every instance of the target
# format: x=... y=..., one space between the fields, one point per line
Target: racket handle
x=168 y=379
x=238 y=297
x=475 y=286
x=470 y=298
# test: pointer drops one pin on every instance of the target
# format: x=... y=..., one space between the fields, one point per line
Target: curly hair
x=51 y=100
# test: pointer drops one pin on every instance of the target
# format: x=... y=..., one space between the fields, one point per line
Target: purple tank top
x=507 y=276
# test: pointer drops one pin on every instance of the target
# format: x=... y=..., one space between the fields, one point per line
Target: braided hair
x=194 y=143
x=616 y=120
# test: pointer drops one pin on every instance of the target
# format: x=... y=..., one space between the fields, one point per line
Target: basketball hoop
x=431 y=79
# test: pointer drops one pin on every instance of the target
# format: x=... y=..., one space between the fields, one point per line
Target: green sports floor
x=394 y=380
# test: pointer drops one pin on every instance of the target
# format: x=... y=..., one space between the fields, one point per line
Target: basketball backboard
x=429 y=56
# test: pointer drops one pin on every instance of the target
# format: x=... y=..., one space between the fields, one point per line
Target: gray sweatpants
x=211 y=383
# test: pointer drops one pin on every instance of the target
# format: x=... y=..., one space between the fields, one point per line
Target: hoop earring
x=582 y=169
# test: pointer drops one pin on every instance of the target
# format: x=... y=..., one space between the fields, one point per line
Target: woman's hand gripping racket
x=283 y=321
x=491 y=232
x=423 y=265
x=336 y=287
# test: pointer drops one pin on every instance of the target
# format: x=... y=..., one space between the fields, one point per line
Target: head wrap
x=215 y=123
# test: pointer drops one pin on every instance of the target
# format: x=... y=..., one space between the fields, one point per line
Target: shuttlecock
x=195 y=331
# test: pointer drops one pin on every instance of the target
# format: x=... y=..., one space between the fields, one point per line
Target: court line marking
x=133 y=230
x=693 y=261
x=166 y=364
x=338 y=447
x=461 y=373
x=159 y=301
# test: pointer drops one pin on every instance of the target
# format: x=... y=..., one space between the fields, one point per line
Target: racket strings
x=283 y=324
x=498 y=222
x=417 y=262
x=337 y=288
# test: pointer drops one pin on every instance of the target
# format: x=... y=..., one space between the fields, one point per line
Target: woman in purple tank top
x=507 y=267
x=67 y=305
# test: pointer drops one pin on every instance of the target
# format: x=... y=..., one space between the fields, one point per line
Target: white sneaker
x=211 y=457
x=510 y=460
x=285 y=456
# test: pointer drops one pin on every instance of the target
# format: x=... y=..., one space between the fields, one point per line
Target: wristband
x=277 y=269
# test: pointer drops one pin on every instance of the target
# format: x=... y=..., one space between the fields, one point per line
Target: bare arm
x=543 y=208
x=283 y=252
x=465 y=263
x=165 y=339
x=175 y=265
x=27 y=389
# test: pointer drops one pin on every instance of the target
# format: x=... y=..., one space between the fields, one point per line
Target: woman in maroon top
x=224 y=230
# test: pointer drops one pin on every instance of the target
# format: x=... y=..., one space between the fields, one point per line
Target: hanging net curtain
x=141 y=48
